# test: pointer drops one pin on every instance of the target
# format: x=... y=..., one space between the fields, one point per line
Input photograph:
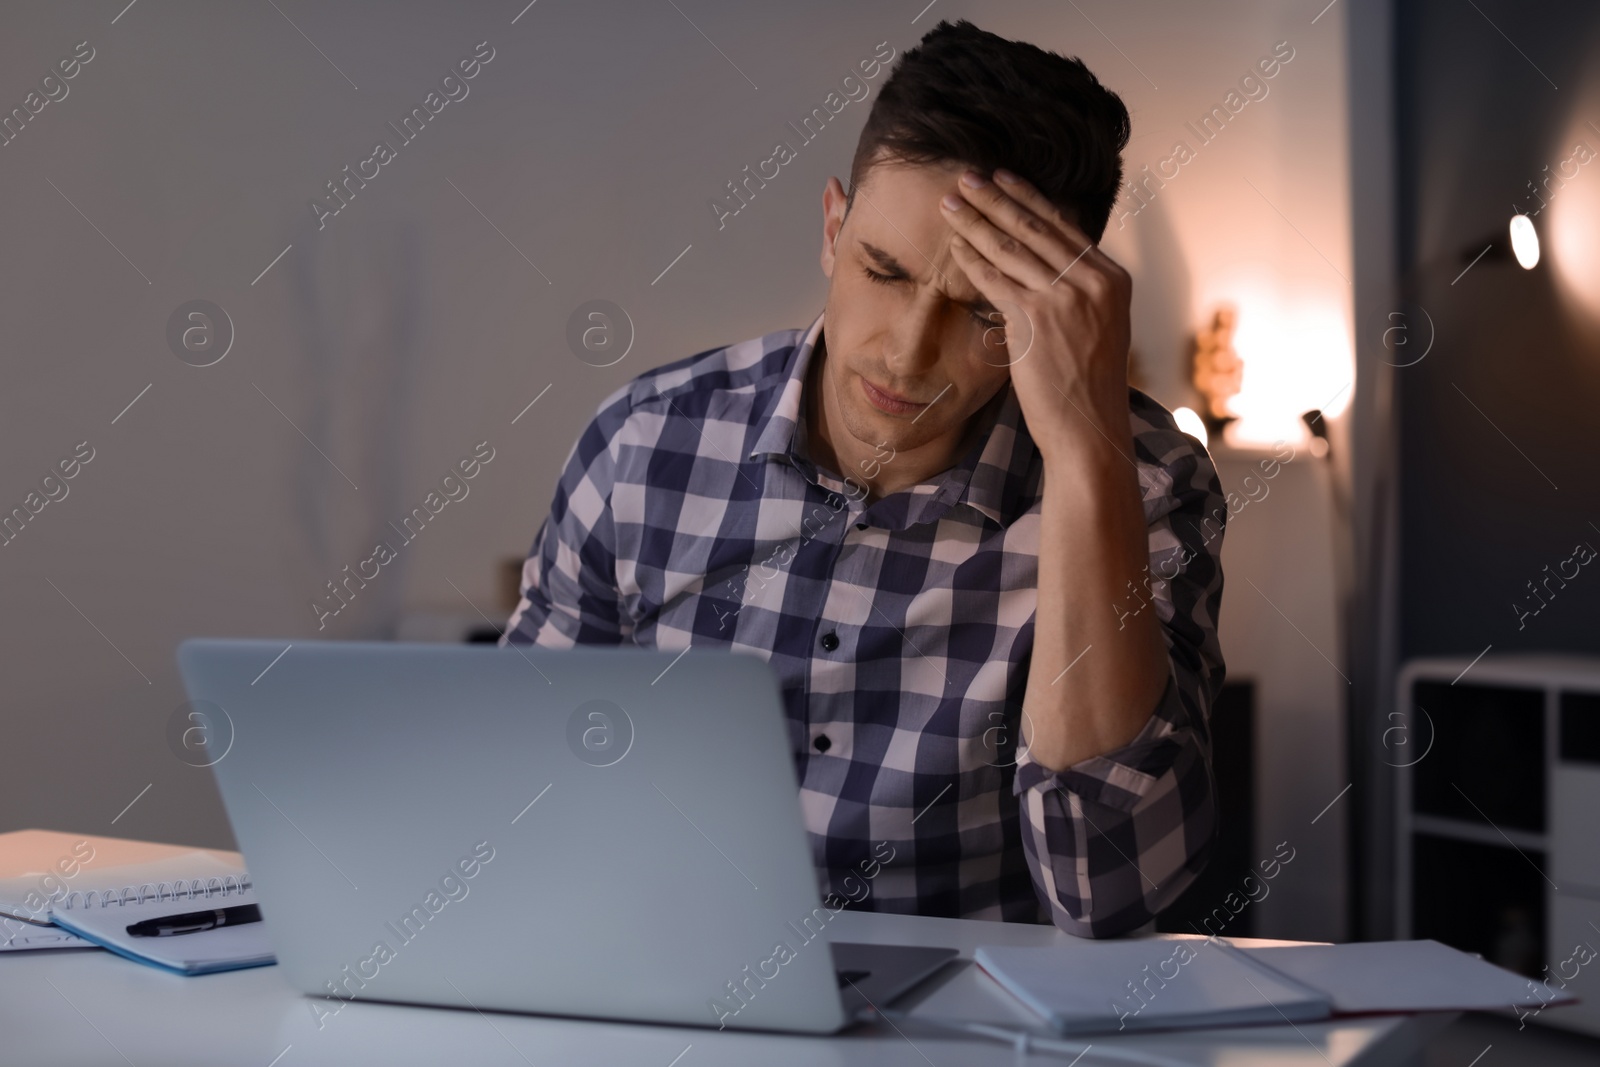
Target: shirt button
x=822 y=744
x=830 y=641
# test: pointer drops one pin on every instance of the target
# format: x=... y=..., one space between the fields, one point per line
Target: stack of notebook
x=1159 y=984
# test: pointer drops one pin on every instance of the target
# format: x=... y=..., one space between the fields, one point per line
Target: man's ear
x=833 y=211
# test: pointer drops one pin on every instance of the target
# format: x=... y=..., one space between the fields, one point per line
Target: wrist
x=1088 y=455
x=1088 y=429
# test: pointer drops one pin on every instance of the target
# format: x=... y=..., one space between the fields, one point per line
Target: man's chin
x=875 y=428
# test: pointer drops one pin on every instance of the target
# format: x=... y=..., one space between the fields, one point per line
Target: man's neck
x=834 y=447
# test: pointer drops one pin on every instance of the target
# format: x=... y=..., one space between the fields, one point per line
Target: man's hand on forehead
x=1065 y=304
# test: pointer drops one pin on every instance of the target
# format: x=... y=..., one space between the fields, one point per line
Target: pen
x=195 y=921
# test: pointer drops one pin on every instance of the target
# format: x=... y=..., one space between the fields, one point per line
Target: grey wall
x=396 y=338
x=433 y=308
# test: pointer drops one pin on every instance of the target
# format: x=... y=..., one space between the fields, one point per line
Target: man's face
x=901 y=315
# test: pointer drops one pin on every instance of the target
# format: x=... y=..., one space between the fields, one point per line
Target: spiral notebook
x=26 y=899
x=29 y=897
x=102 y=917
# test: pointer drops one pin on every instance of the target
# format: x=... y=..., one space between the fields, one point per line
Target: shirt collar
x=777 y=437
x=992 y=477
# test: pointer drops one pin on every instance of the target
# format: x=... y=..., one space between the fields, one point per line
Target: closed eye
x=887 y=279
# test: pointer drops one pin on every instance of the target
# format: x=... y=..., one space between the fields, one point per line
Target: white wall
x=410 y=328
x=1280 y=630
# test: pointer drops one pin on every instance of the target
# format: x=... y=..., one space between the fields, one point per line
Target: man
x=973 y=555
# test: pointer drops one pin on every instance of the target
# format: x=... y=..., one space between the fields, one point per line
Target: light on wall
x=1573 y=220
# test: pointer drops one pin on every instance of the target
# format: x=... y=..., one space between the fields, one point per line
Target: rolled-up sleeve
x=569 y=586
x=1114 y=839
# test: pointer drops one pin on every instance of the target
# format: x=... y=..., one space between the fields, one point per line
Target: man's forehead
x=904 y=197
x=888 y=179
x=897 y=225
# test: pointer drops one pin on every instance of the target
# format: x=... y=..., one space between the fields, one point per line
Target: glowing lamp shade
x=1190 y=423
x=1297 y=356
x=1524 y=241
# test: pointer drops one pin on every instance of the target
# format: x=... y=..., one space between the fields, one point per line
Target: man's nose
x=915 y=334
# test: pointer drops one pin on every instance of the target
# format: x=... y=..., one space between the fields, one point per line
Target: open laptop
x=604 y=832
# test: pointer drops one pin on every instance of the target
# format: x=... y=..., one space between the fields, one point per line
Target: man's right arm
x=569 y=587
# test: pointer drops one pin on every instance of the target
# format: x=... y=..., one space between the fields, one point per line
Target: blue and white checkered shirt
x=901 y=632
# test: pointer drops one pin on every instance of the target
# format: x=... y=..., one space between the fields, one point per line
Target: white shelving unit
x=1549 y=735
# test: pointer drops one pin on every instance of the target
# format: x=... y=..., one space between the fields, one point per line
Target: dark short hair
x=973 y=97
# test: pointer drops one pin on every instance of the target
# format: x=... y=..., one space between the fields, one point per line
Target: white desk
x=86 y=1008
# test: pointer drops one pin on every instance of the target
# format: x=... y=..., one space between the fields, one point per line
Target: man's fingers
x=1011 y=336
x=1034 y=229
x=1023 y=191
x=994 y=283
x=1085 y=253
x=1019 y=259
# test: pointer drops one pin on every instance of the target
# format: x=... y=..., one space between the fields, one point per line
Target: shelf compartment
x=1487 y=764
x=1480 y=898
